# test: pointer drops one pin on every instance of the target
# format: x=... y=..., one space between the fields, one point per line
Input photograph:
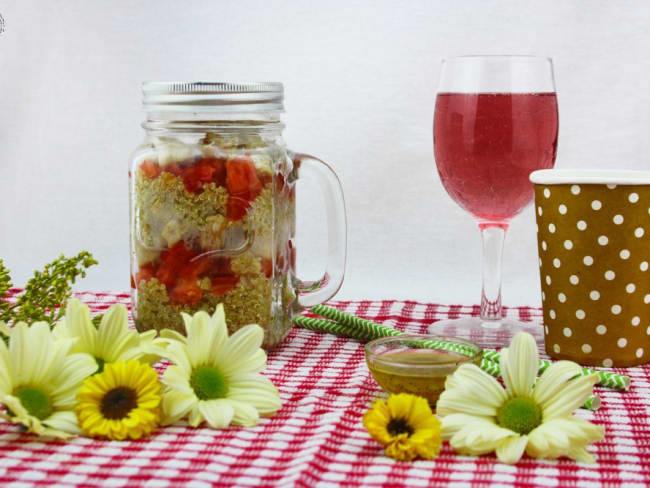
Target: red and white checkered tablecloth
x=317 y=439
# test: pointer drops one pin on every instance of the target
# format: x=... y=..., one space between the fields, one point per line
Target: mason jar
x=213 y=210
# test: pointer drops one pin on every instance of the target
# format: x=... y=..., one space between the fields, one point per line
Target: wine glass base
x=487 y=333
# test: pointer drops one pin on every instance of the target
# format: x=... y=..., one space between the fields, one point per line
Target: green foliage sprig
x=46 y=292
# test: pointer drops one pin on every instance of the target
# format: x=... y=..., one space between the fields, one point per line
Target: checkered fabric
x=317 y=439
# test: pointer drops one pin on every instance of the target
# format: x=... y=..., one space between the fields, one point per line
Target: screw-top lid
x=180 y=96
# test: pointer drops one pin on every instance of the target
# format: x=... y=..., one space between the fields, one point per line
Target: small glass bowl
x=418 y=363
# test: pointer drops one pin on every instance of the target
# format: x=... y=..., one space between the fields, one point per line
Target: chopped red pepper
x=223 y=284
x=267 y=267
x=185 y=292
x=145 y=273
x=243 y=185
x=150 y=169
x=173 y=261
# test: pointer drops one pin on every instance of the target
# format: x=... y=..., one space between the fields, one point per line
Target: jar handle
x=316 y=292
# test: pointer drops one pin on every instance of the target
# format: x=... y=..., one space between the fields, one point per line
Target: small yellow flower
x=406 y=426
x=122 y=401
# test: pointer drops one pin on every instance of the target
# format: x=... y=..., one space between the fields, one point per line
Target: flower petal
x=562 y=436
x=519 y=365
x=76 y=368
x=455 y=422
x=6 y=370
x=77 y=320
x=471 y=392
x=511 y=449
x=256 y=390
x=176 y=405
x=63 y=420
x=217 y=413
x=176 y=379
x=200 y=335
x=240 y=348
x=479 y=438
x=245 y=413
x=553 y=380
x=568 y=398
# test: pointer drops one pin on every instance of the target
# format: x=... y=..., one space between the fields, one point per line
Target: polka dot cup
x=594 y=253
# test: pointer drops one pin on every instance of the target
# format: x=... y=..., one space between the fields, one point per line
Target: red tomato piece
x=186 y=292
x=267 y=267
x=223 y=284
x=236 y=208
x=145 y=273
x=196 y=267
x=150 y=169
x=174 y=260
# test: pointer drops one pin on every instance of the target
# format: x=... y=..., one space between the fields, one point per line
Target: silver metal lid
x=179 y=96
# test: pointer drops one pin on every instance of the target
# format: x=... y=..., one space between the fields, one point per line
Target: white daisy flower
x=112 y=341
x=479 y=416
x=39 y=380
x=216 y=378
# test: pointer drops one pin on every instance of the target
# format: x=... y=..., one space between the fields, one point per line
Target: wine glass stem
x=492 y=235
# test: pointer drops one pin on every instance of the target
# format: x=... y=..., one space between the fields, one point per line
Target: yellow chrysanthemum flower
x=39 y=380
x=122 y=401
x=216 y=378
x=112 y=341
x=479 y=416
x=406 y=426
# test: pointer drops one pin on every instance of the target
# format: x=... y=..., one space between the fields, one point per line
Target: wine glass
x=496 y=121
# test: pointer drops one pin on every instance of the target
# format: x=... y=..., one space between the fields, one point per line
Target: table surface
x=317 y=439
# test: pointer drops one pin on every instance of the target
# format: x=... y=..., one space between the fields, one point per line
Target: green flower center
x=398 y=426
x=36 y=402
x=100 y=365
x=520 y=415
x=118 y=402
x=208 y=383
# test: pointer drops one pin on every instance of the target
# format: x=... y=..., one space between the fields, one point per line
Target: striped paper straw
x=373 y=330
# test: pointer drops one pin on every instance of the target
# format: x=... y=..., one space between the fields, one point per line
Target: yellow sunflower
x=406 y=426
x=122 y=401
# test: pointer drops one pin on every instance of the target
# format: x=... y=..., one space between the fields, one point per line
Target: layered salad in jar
x=212 y=222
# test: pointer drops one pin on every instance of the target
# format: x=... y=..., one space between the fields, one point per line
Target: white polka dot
x=588 y=260
x=551 y=313
x=548 y=280
x=567 y=332
x=618 y=219
x=603 y=240
x=633 y=197
x=622 y=342
x=568 y=244
x=562 y=209
x=561 y=297
x=586 y=348
x=544 y=245
x=539 y=211
x=635 y=321
x=574 y=280
x=611 y=187
x=639 y=352
x=543 y=296
x=596 y=205
x=601 y=330
x=643 y=266
x=610 y=275
x=594 y=294
x=607 y=362
x=547 y=192
x=575 y=189
x=638 y=232
x=646 y=299
x=551 y=228
x=581 y=225
x=557 y=263
x=546 y=329
x=540 y=263
x=647 y=331
x=624 y=254
x=556 y=348
x=630 y=288
x=616 y=309
x=580 y=314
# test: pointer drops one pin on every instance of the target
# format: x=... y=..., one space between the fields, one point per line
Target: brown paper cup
x=594 y=253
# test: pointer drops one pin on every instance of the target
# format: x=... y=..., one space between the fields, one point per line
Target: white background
x=360 y=80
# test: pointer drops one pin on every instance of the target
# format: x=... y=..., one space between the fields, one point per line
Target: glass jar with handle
x=213 y=210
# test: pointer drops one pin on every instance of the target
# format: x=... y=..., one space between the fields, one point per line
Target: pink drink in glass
x=487 y=144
